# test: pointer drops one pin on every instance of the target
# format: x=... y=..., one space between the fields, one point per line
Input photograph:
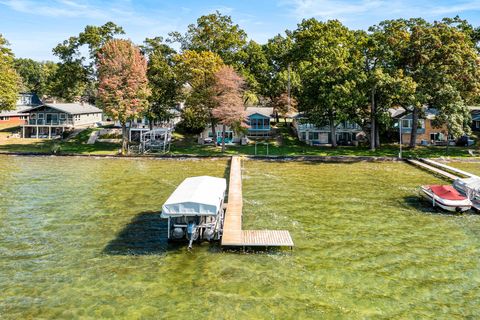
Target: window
x=23 y=117
x=477 y=124
x=434 y=136
x=313 y=136
x=63 y=116
x=407 y=124
x=304 y=136
x=4 y=118
x=41 y=116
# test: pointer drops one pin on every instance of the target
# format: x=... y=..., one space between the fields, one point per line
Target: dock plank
x=430 y=168
x=448 y=168
x=233 y=235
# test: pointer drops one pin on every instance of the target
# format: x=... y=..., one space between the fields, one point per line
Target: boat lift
x=156 y=140
x=195 y=209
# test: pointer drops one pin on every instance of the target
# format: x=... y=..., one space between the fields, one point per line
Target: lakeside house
x=475 y=113
x=53 y=119
x=347 y=133
x=16 y=117
x=141 y=125
x=257 y=120
x=427 y=132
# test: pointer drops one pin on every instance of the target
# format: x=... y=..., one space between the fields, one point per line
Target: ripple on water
x=82 y=238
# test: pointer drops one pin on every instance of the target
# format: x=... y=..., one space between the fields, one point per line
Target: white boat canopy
x=196 y=196
x=468 y=185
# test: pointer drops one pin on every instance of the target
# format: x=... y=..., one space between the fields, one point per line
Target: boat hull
x=445 y=204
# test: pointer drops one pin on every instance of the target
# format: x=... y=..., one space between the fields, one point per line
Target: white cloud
x=61 y=8
x=350 y=10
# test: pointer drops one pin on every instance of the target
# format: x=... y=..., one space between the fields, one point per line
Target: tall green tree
x=9 y=79
x=254 y=69
x=216 y=33
x=123 y=84
x=442 y=64
x=76 y=75
x=196 y=70
x=162 y=81
x=327 y=63
x=36 y=76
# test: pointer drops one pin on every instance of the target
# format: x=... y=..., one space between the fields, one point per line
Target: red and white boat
x=446 y=197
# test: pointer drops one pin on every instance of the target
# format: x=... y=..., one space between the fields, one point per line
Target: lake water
x=82 y=238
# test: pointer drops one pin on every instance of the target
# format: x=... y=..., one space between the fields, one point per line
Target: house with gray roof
x=258 y=121
x=53 y=119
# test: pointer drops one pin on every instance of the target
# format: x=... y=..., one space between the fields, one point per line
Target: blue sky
x=34 y=27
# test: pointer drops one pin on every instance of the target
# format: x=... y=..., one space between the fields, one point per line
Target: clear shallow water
x=81 y=238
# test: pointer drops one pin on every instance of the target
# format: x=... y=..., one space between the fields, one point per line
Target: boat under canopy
x=196 y=196
x=470 y=187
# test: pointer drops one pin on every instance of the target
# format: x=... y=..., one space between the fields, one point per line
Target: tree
x=162 y=80
x=9 y=79
x=254 y=69
x=216 y=33
x=379 y=85
x=197 y=71
x=229 y=109
x=77 y=76
x=442 y=64
x=327 y=63
x=36 y=77
x=123 y=84
x=283 y=105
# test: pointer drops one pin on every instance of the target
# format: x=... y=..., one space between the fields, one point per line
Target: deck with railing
x=44 y=122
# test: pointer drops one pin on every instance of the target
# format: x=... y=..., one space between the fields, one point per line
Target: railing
x=49 y=122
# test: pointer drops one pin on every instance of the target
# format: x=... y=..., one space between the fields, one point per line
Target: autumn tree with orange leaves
x=229 y=109
x=123 y=84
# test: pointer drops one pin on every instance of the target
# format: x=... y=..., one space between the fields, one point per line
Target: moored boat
x=195 y=209
x=446 y=197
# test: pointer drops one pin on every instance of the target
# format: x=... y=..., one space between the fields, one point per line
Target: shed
x=196 y=196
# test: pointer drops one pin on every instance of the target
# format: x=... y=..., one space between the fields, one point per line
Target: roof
x=70 y=108
x=264 y=111
x=196 y=196
x=15 y=112
x=430 y=113
x=396 y=112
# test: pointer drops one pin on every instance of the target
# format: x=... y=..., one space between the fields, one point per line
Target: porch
x=44 y=131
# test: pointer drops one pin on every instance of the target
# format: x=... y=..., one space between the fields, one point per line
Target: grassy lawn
x=288 y=145
x=76 y=145
x=285 y=144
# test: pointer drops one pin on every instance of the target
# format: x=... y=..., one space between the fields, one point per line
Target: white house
x=347 y=133
x=51 y=120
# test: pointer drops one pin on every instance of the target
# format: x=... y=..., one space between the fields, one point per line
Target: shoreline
x=286 y=158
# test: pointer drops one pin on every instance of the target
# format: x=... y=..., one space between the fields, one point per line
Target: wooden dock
x=433 y=169
x=448 y=168
x=233 y=235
